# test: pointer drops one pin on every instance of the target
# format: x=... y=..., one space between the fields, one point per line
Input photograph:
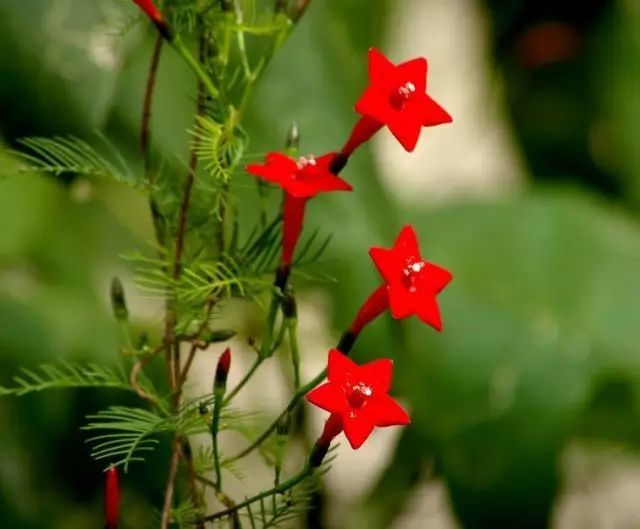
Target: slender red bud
x=111 y=498
x=332 y=428
x=222 y=370
x=156 y=16
x=291 y=226
x=362 y=132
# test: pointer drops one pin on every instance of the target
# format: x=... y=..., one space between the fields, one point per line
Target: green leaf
x=64 y=155
x=65 y=375
x=129 y=433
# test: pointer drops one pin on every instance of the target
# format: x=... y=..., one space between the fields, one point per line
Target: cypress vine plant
x=203 y=260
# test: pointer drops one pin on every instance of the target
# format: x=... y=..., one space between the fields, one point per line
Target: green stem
x=292 y=327
x=265 y=347
x=301 y=392
x=278 y=341
x=215 y=422
x=283 y=487
x=242 y=47
x=184 y=52
x=244 y=380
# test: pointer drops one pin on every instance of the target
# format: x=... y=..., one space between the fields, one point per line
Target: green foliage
x=129 y=433
x=65 y=375
x=71 y=155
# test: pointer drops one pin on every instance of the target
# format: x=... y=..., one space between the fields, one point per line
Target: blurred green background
x=526 y=408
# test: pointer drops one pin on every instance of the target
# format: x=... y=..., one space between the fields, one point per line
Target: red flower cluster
x=358 y=397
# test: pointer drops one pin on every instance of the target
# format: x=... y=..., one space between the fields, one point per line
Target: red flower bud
x=222 y=369
x=156 y=16
x=150 y=10
x=111 y=498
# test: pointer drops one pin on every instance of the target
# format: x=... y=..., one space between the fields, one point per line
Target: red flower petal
x=357 y=427
x=414 y=71
x=374 y=103
x=407 y=242
x=430 y=112
x=265 y=172
x=406 y=127
x=378 y=374
x=401 y=302
x=434 y=278
x=341 y=369
x=387 y=263
x=381 y=70
x=387 y=412
x=281 y=162
x=429 y=312
x=328 y=397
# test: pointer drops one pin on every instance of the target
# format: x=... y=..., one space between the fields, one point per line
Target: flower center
x=358 y=395
x=402 y=94
x=411 y=272
x=306 y=161
x=303 y=164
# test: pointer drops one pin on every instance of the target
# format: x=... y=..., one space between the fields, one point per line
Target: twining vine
x=202 y=257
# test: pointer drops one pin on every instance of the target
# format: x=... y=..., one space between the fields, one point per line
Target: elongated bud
x=293 y=139
x=156 y=16
x=375 y=305
x=217 y=336
x=118 y=301
x=222 y=372
x=332 y=428
x=289 y=305
x=111 y=499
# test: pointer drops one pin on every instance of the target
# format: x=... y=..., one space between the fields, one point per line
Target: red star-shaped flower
x=304 y=178
x=300 y=181
x=358 y=394
x=412 y=283
x=397 y=97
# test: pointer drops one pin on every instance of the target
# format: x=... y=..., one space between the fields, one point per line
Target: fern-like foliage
x=72 y=155
x=280 y=509
x=126 y=434
x=65 y=375
x=185 y=514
